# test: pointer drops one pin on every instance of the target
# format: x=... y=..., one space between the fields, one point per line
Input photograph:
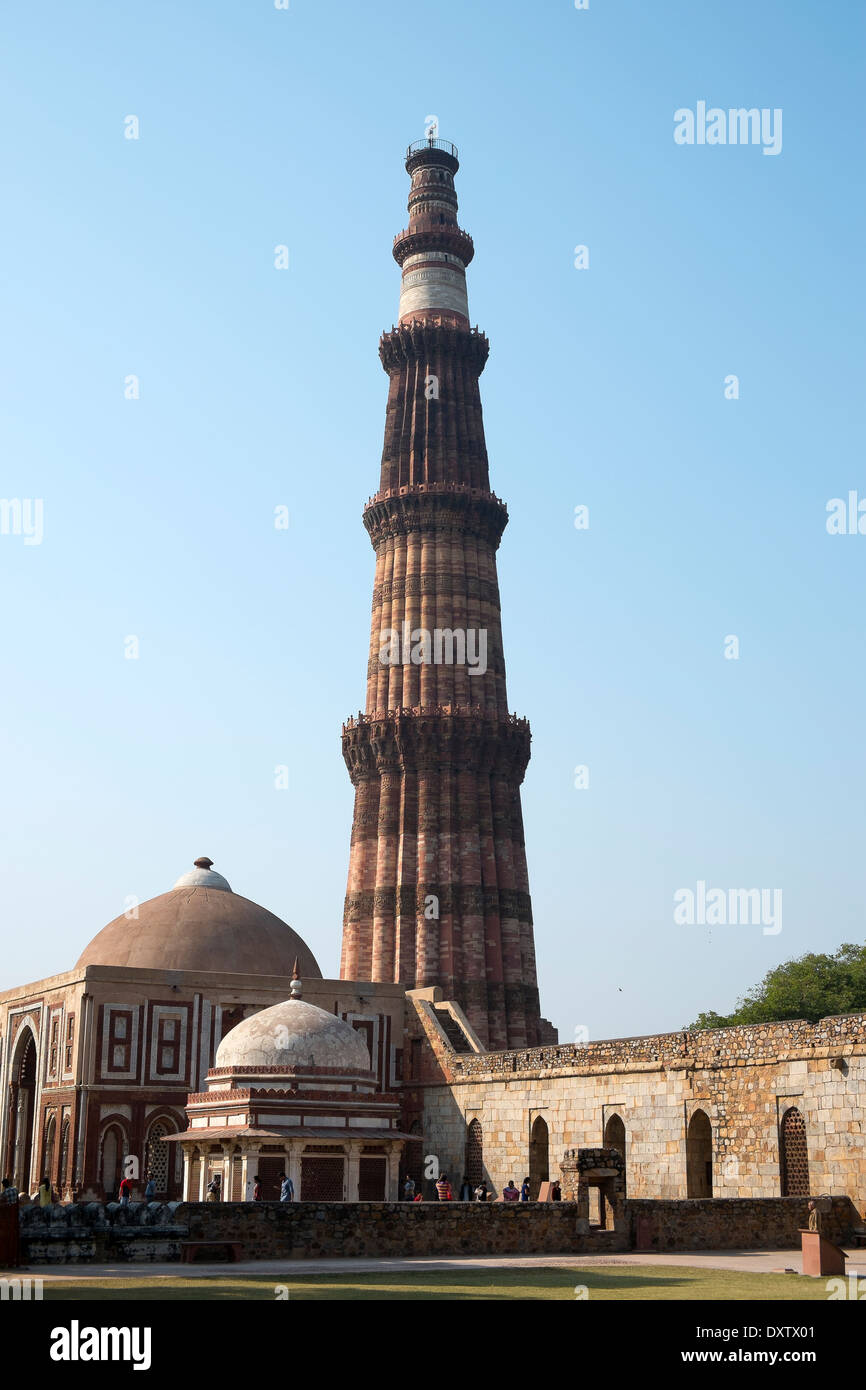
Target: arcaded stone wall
x=744 y=1079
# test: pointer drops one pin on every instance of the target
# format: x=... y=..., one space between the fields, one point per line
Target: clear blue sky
x=604 y=387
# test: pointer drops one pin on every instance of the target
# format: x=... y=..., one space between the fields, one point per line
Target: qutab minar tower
x=438 y=891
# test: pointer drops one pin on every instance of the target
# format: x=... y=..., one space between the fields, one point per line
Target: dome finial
x=203 y=875
x=296 y=988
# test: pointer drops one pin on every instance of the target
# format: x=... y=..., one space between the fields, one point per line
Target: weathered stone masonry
x=307 y=1230
x=745 y=1080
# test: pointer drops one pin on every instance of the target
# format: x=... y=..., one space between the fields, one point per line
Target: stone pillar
x=295 y=1149
x=21 y=1177
x=226 y=1182
x=392 y=1193
x=250 y=1168
x=202 y=1175
x=187 y=1173
x=353 y=1170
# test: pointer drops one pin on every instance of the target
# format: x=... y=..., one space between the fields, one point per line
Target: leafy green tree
x=811 y=987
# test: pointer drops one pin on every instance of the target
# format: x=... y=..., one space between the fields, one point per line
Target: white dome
x=293 y=1034
x=203 y=876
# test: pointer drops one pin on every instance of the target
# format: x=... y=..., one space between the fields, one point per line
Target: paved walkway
x=748 y=1261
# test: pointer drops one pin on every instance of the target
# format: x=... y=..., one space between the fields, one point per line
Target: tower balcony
x=430 y=144
x=426 y=235
x=435 y=152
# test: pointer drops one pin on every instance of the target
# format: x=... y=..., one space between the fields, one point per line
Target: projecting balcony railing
x=470 y=712
x=418 y=145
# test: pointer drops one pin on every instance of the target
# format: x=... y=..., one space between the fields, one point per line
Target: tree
x=811 y=987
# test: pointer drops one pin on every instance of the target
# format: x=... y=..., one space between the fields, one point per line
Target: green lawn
x=606 y=1282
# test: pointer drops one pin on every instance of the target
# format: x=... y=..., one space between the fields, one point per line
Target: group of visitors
x=125 y=1190
x=287 y=1188
x=481 y=1193
x=46 y=1197
x=43 y=1195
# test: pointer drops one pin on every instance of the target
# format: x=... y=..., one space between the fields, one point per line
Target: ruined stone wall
x=744 y=1079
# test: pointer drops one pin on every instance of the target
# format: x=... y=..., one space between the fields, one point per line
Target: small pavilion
x=292 y=1090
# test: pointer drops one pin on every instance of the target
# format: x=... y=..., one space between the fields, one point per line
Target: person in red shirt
x=257 y=1188
x=125 y=1192
x=443 y=1189
x=510 y=1193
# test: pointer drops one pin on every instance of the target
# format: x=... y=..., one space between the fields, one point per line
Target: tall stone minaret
x=438 y=892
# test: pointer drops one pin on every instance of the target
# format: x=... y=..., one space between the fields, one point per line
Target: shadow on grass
x=649 y=1283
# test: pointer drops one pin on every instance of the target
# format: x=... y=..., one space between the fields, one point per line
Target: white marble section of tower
x=433 y=251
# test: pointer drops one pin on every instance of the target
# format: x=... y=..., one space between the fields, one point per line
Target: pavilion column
x=295 y=1149
x=245 y=1196
x=226 y=1183
x=393 y=1190
x=202 y=1175
x=187 y=1172
x=353 y=1171
x=250 y=1168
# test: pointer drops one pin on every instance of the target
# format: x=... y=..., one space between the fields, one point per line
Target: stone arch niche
x=699 y=1156
x=48 y=1146
x=63 y=1176
x=614 y=1138
x=474 y=1163
x=794 y=1154
x=539 y=1156
x=20 y=1115
x=112 y=1152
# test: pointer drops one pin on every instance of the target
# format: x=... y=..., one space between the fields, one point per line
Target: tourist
x=10 y=1191
x=45 y=1193
x=150 y=1189
x=481 y=1192
x=419 y=1197
x=814 y=1217
x=409 y=1190
x=443 y=1189
x=257 y=1188
x=524 y=1190
x=125 y=1191
x=465 y=1189
x=555 y=1192
x=213 y=1189
x=510 y=1193
x=287 y=1189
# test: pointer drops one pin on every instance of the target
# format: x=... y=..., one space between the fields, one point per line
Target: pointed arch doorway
x=20 y=1116
x=539 y=1156
x=699 y=1156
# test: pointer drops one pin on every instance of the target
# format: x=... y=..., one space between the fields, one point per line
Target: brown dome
x=202 y=925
